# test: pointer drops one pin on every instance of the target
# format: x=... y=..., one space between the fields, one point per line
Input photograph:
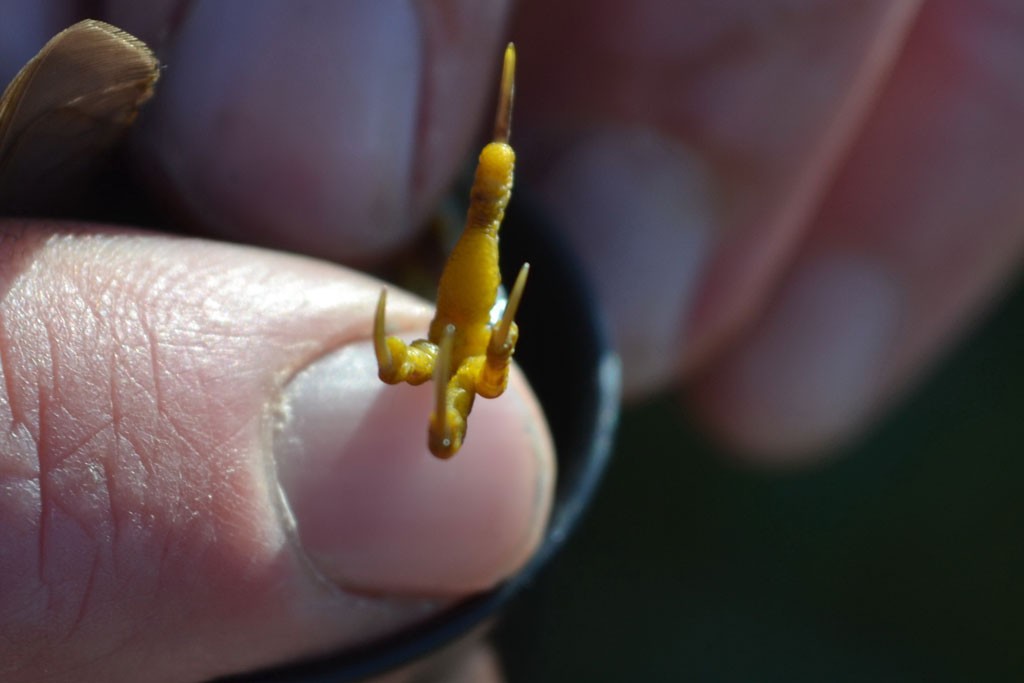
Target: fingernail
x=375 y=512
x=811 y=373
x=637 y=210
x=293 y=126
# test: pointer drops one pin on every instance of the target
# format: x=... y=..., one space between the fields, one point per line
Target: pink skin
x=811 y=199
x=151 y=387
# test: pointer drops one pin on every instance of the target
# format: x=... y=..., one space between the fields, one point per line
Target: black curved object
x=564 y=349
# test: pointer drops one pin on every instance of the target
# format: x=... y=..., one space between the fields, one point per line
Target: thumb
x=201 y=474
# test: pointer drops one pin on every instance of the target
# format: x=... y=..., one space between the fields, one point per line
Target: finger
x=922 y=229
x=201 y=473
x=324 y=127
x=684 y=150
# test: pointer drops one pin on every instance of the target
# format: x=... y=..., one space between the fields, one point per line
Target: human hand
x=202 y=474
x=797 y=207
x=847 y=206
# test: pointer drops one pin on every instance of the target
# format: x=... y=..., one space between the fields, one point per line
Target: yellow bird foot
x=465 y=354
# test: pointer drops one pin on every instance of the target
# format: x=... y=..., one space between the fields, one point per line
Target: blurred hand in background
x=798 y=206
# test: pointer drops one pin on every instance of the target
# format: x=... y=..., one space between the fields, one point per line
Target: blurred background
x=899 y=560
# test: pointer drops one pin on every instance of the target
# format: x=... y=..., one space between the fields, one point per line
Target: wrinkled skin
x=795 y=205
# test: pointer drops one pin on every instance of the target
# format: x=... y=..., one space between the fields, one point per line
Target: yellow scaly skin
x=464 y=353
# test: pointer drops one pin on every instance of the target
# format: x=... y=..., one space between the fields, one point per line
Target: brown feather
x=66 y=109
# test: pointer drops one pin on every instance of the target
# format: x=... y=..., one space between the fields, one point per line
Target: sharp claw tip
x=380 y=345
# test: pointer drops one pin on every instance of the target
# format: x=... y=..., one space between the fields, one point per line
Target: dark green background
x=900 y=560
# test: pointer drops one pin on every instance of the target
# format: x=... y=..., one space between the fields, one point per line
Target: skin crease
x=106 y=341
x=836 y=150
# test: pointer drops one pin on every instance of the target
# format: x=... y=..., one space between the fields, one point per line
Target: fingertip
x=812 y=371
x=377 y=513
x=143 y=374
